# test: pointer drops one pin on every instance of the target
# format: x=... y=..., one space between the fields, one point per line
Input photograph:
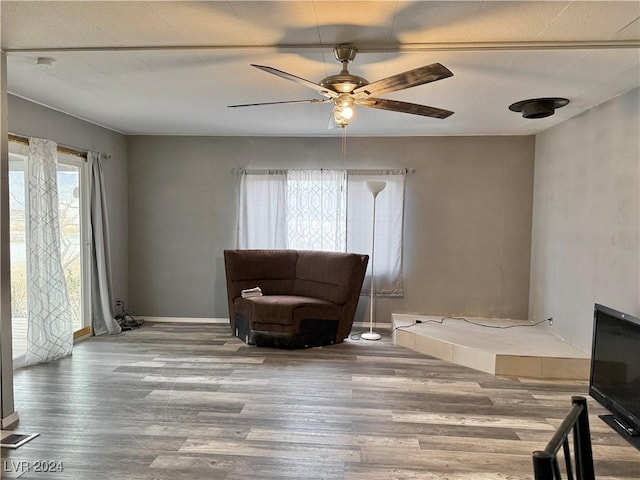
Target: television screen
x=615 y=366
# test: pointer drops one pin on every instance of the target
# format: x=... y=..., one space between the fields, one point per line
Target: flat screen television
x=615 y=369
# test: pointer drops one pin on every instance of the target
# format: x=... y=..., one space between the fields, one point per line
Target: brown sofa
x=309 y=297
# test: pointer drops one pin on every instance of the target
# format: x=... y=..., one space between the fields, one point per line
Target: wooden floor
x=171 y=402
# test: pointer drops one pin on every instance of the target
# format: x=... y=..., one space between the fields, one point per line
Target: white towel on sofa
x=251 y=292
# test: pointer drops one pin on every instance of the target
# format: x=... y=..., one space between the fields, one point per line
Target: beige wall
x=586 y=219
x=468 y=223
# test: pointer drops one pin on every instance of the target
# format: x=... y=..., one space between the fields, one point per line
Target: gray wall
x=468 y=227
x=586 y=220
x=30 y=119
x=468 y=223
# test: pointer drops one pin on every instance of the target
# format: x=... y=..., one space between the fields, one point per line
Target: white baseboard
x=224 y=320
x=183 y=319
x=10 y=420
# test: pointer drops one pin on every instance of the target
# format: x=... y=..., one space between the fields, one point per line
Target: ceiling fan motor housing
x=344 y=82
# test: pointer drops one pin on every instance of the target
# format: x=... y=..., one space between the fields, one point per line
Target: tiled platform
x=532 y=352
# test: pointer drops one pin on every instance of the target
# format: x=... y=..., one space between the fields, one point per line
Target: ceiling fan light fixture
x=342 y=115
x=343 y=109
x=347 y=112
x=344 y=100
x=538 y=107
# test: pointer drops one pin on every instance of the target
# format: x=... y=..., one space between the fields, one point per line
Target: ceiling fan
x=345 y=90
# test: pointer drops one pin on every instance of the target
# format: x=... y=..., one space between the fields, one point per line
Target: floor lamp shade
x=375 y=187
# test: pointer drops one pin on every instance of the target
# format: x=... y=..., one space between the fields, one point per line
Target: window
x=326 y=210
x=71 y=215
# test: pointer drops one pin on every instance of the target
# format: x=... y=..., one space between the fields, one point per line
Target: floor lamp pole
x=375 y=188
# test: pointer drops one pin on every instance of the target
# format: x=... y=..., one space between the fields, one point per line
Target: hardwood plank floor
x=177 y=401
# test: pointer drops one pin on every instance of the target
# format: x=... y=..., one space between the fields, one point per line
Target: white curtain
x=50 y=323
x=389 y=227
x=309 y=209
x=262 y=217
x=103 y=319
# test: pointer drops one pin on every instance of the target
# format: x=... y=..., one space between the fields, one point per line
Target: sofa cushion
x=261 y=264
x=281 y=309
x=325 y=276
x=283 y=286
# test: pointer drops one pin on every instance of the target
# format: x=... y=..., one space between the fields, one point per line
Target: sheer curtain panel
x=389 y=226
x=49 y=324
x=262 y=217
x=102 y=316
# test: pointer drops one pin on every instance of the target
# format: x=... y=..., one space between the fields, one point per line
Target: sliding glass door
x=17 y=233
x=72 y=228
x=72 y=210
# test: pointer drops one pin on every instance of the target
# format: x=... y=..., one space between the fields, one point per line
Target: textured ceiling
x=173 y=67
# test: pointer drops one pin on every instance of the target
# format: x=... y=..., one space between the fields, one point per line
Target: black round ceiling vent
x=538 y=107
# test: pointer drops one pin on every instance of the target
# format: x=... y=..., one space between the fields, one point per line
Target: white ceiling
x=156 y=67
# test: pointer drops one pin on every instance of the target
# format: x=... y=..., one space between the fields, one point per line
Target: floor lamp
x=375 y=188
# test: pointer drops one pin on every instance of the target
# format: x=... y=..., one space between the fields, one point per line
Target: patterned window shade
x=316 y=210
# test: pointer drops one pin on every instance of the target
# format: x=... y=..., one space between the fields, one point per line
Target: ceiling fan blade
x=408 y=79
x=313 y=100
x=299 y=80
x=405 y=107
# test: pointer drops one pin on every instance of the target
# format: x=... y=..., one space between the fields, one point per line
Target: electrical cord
x=500 y=327
x=358 y=336
x=416 y=322
x=125 y=319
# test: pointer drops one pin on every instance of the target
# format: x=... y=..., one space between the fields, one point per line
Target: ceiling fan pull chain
x=344 y=148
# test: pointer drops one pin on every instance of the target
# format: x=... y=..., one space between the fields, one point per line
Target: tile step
x=523 y=351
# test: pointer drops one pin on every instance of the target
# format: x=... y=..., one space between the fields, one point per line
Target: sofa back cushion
x=327 y=275
x=274 y=271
